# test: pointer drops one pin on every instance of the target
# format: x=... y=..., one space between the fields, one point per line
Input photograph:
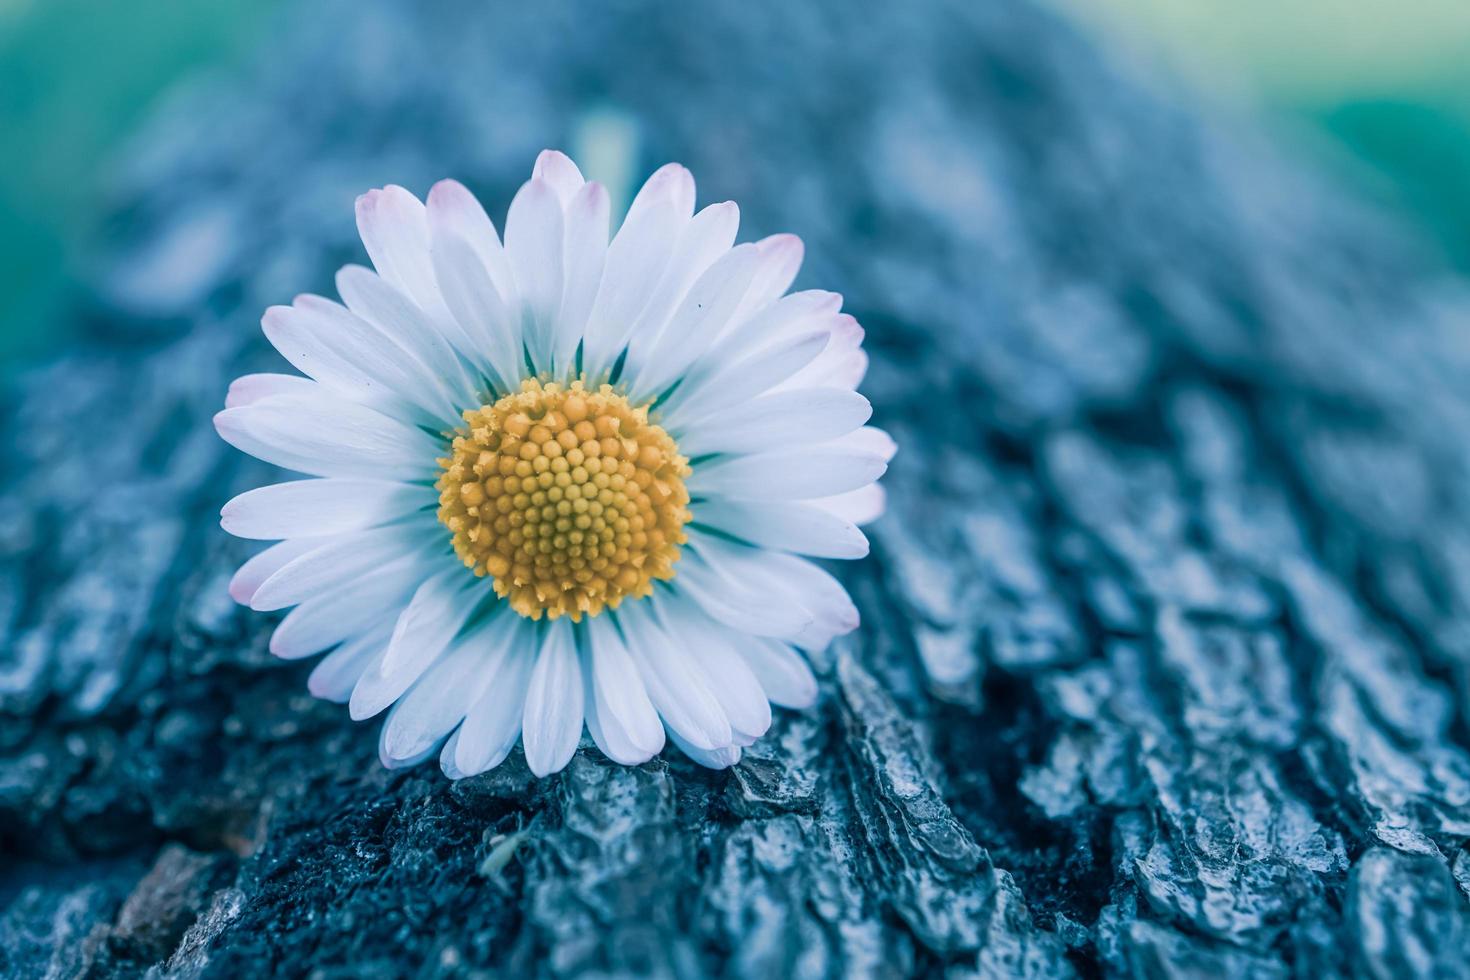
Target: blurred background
x=1378 y=91
x=1375 y=91
x=76 y=78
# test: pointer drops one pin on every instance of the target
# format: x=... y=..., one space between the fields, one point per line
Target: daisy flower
x=559 y=479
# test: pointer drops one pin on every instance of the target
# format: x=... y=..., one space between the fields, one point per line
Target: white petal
x=307 y=508
x=862 y=506
x=835 y=369
x=334 y=564
x=628 y=730
x=615 y=750
x=735 y=602
x=789 y=315
x=253 y=387
x=671 y=182
x=552 y=724
x=831 y=607
x=783 y=673
x=713 y=387
x=868 y=440
x=559 y=173
x=797 y=417
x=424 y=629
x=493 y=724
x=849 y=373
x=706 y=237
x=395 y=230
x=721 y=758
x=262 y=566
x=775 y=579
x=781 y=257
x=353 y=358
x=338 y=672
x=407 y=762
x=447 y=755
x=324 y=436
x=439 y=608
x=784 y=525
x=636 y=261
x=472 y=299
x=332 y=618
x=699 y=319
x=681 y=696
x=841 y=365
x=437 y=702
x=586 y=254
x=411 y=328
x=726 y=675
x=455 y=210
x=533 y=241
x=788 y=474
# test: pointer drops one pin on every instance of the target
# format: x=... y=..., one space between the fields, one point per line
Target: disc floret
x=569 y=498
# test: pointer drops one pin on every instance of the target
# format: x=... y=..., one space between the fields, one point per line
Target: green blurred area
x=1386 y=80
x=1383 y=86
x=76 y=77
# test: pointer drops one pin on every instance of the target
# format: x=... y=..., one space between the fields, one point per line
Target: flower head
x=559 y=480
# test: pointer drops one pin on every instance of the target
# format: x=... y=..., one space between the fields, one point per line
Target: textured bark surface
x=1163 y=669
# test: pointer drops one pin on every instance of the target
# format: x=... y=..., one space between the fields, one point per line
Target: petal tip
x=358 y=708
x=782 y=241
x=365 y=203
x=240 y=592
x=226 y=423
x=549 y=158
x=448 y=185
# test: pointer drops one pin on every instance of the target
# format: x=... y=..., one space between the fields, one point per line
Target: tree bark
x=1163 y=668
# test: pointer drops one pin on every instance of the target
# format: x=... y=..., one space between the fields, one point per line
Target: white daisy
x=560 y=479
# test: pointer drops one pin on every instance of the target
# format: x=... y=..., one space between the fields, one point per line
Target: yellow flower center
x=569 y=499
